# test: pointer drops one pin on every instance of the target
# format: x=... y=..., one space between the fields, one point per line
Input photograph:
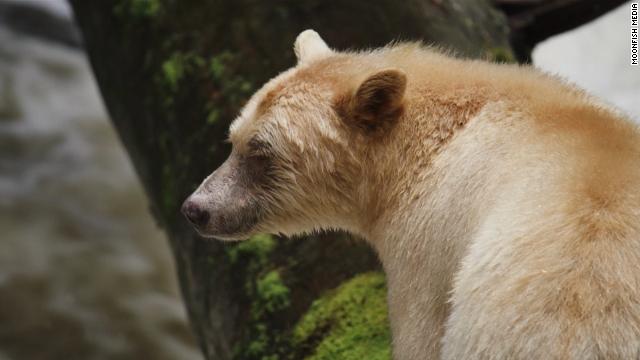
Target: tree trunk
x=173 y=75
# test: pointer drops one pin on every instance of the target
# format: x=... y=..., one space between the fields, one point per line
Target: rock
x=32 y=20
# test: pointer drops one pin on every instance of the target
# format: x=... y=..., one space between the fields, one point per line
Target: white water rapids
x=84 y=271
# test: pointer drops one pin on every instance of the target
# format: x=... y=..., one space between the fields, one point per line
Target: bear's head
x=302 y=146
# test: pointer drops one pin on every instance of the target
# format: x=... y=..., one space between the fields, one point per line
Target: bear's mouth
x=233 y=223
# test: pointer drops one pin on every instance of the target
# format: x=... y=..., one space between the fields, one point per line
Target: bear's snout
x=196 y=215
x=224 y=206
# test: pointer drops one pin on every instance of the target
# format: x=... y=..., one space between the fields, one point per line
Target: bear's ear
x=378 y=102
x=310 y=46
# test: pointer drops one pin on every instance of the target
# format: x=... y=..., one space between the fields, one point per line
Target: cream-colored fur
x=503 y=203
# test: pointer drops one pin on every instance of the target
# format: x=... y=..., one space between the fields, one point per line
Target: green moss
x=177 y=66
x=213 y=116
x=349 y=323
x=258 y=345
x=173 y=70
x=217 y=64
x=501 y=55
x=268 y=296
x=233 y=87
x=138 y=8
x=272 y=294
x=256 y=250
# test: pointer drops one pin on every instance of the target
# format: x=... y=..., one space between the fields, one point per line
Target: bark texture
x=173 y=74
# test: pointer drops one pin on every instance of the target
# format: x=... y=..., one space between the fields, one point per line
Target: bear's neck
x=432 y=205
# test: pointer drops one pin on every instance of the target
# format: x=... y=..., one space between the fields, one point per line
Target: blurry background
x=84 y=271
x=596 y=57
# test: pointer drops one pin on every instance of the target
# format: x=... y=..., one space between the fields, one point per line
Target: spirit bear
x=504 y=203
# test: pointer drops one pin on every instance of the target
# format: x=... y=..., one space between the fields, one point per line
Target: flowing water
x=84 y=271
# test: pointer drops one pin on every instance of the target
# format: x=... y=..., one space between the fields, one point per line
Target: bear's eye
x=258 y=149
x=258 y=170
x=258 y=159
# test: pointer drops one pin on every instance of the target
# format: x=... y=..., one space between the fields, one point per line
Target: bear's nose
x=194 y=213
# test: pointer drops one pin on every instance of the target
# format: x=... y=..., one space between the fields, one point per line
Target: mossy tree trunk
x=173 y=74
